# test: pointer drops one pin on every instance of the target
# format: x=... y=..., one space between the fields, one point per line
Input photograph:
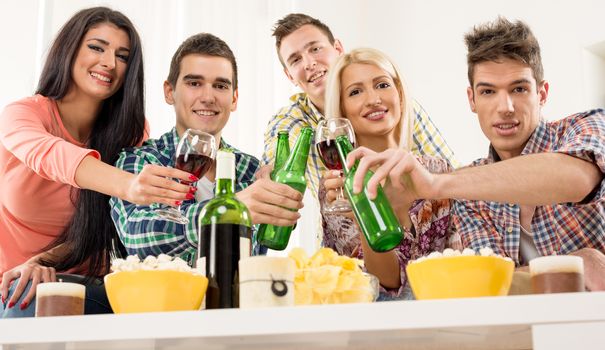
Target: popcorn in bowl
x=162 y=262
x=329 y=278
x=460 y=274
x=449 y=252
x=154 y=284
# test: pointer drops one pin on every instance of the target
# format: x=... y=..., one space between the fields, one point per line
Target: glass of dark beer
x=59 y=299
x=557 y=274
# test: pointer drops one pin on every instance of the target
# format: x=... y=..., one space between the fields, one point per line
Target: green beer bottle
x=376 y=218
x=293 y=175
x=282 y=152
x=225 y=233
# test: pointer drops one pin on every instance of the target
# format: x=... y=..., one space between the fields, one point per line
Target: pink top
x=38 y=161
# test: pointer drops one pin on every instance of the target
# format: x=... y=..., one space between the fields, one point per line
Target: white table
x=561 y=321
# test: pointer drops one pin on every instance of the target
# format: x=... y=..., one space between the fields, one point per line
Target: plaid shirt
x=561 y=228
x=143 y=233
x=427 y=139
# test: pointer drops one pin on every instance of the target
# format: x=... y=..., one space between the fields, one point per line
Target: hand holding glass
x=195 y=154
x=325 y=136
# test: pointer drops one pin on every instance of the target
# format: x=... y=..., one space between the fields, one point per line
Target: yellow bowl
x=155 y=290
x=460 y=277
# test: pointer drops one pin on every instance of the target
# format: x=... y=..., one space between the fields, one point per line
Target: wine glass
x=195 y=154
x=325 y=140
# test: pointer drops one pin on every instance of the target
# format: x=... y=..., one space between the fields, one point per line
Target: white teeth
x=205 y=113
x=506 y=126
x=316 y=76
x=374 y=114
x=100 y=77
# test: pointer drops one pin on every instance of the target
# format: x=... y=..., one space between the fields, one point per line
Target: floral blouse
x=430 y=221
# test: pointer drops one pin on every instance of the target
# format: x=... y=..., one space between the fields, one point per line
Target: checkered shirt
x=561 y=228
x=143 y=233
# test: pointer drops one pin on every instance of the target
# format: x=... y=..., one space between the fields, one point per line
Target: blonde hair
x=334 y=109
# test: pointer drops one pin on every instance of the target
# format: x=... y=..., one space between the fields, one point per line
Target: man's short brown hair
x=292 y=23
x=201 y=44
x=494 y=41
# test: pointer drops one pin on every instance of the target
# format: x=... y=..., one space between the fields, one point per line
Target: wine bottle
x=282 y=152
x=225 y=233
x=376 y=218
x=293 y=175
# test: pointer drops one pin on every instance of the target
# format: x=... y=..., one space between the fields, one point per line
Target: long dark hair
x=120 y=123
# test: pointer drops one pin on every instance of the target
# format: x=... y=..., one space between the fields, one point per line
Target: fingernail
x=11 y=304
x=192 y=189
x=189 y=196
x=178 y=202
x=23 y=305
x=3 y=300
x=193 y=178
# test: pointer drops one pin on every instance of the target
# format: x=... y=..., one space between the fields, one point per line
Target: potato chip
x=300 y=257
x=323 y=279
x=303 y=295
x=330 y=278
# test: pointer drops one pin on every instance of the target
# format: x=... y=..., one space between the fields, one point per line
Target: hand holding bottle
x=271 y=203
x=264 y=172
x=292 y=174
x=405 y=174
x=375 y=217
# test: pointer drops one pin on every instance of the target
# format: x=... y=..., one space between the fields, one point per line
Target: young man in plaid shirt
x=202 y=87
x=540 y=191
x=306 y=48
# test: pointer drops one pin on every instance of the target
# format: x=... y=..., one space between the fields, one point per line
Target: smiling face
x=508 y=103
x=100 y=65
x=370 y=100
x=203 y=97
x=307 y=54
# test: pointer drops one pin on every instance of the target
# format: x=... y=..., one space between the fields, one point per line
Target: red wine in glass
x=329 y=154
x=194 y=154
x=196 y=164
x=325 y=140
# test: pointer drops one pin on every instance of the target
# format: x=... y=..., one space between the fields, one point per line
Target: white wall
x=425 y=37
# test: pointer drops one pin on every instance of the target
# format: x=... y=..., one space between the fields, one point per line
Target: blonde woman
x=365 y=87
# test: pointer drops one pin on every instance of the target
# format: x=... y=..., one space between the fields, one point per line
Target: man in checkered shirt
x=306 y=48
x=540 y=191
x=202 y=88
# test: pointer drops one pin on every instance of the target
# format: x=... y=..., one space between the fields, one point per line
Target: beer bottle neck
x=344 y=147
x=282 y=151
x=297 y=162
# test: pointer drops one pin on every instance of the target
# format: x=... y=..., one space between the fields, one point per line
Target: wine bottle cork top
x=61 y=288
x=225 y=165
x=551 y=264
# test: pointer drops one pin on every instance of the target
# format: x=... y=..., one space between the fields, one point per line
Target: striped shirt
x=142 y=232
x=556 y=229
x=427 y=139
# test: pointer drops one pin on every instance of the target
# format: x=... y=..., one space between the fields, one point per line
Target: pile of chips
x=329 y=278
